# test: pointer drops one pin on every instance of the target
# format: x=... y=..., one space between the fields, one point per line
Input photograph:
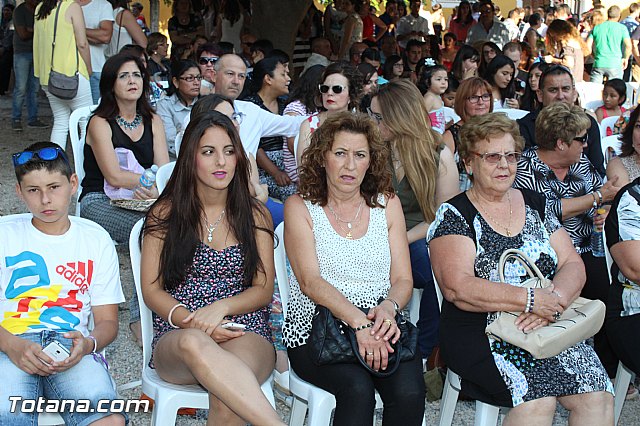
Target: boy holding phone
x=55 y=272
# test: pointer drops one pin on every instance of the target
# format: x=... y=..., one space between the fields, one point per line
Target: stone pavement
x=124 y=356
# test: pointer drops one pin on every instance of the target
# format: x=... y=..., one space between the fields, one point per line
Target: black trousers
x=597 y=287
x=353 y=386
x=6 y=65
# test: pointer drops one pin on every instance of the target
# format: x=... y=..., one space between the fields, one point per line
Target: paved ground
x=124 y=355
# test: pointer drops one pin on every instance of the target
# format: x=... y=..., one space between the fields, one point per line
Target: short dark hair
x=413 y=42
x=554 y=70
x=60 y=164
x=263 y=45
x=209 y=47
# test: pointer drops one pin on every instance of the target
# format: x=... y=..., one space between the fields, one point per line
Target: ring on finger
x=388 y=322
x=369 y=353
x=556 y=316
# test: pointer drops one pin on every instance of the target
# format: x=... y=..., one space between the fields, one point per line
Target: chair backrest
x=607 y=254
x=588 y=92
x=146 y=320
x=611 y=143
x=77 y=131
x=607 y=123
x=450 y=115
x=514 y=114
x=280 y=259
x=163 y=175
x=593 y=105
x=632 y=94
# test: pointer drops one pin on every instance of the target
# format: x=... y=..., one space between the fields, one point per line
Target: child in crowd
x=56 y=272
x=433 y=84
x=614 y=95
x=449 y=96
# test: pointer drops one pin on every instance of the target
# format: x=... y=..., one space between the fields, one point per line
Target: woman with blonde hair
x=566 y=47
x=424 y=176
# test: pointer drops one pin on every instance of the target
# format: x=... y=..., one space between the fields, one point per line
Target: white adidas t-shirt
x=50 y=282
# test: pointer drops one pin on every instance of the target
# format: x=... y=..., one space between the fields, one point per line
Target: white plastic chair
x=163 y=175
x=77 y=131
x=168 y=397
x=607 y=123
x=589 y=92
x=610 y=143
x=623 y=374
x=514 y=114
x=318 y=402
x=632 y=94
x=593 y=105
x=486 y=414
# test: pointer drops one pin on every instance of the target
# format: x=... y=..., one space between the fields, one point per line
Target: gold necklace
x=211 y=228
x=349 y=223
x=506 y=228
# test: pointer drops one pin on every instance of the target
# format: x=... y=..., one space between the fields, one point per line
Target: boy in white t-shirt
x=55 y=272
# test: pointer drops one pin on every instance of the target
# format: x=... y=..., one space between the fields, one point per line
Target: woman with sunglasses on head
x=183 y=93
x=340 y=90
x=270 y=83
x=479 y=225
x=207 y=261
x=424 y=175
x=560 y=170
x=473 y=97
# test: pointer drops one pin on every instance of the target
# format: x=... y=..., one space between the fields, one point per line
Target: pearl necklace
x=129 y=125
x=211 y=228
x=349 y=223
x=506 y=228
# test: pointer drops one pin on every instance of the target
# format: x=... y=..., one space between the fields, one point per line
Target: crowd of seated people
x=385 y=146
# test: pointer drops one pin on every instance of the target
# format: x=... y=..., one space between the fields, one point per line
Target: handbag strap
x=53 y=43
x=529 y=265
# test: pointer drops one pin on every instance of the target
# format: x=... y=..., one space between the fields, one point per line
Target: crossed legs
x=231 y=371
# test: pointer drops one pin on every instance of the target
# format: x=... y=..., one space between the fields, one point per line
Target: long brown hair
x=177 y=216
x=405 y=115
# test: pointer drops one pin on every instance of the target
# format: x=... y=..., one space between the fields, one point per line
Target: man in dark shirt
x=390 y=17
x=557 y=85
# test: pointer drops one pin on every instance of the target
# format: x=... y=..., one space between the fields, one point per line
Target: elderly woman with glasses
x=558 y=168
x=478 y=225
x=184 y=92
x=474 y=97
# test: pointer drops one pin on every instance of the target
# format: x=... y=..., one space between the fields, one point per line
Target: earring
x=470 y=173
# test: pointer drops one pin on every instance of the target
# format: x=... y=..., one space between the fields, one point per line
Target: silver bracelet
x=171 y=313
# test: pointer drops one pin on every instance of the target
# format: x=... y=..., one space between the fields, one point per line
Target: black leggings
x=353 y=387
x=597 y=287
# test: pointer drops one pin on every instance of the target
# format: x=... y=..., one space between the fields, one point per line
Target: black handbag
x=333 y=342
x=60 y=85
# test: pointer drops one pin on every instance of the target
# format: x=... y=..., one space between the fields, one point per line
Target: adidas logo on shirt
x=77 y=273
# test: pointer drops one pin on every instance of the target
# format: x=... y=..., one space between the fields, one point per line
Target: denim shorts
x=87 y=380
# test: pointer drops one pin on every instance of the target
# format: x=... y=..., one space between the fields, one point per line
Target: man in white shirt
x=412 y=26
x=488 y=28
x=98 y=18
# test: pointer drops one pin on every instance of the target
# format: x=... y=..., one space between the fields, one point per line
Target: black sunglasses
x=582 y=139
x=204 y=60
x=337 y=89
x=44 y=154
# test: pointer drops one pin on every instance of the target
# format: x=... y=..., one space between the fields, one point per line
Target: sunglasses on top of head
x=337 y=89
x=44 y=154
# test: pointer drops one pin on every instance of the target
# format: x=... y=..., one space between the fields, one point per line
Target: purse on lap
x=331 y=341
x=581 y=320
x=60 y=85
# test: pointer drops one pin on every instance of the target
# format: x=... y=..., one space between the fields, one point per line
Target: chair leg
x=448 y=401
x=486 y=414
x=298 y=412
x=623 y=378
x=320 y=409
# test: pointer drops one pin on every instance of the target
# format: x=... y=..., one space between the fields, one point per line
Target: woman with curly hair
x=346 y=240
x=340 y=90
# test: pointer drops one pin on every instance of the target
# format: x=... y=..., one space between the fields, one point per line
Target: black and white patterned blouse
x=581 y=179
x=623 y=224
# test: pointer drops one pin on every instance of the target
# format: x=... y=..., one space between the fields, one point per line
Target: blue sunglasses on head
x=44 y=154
